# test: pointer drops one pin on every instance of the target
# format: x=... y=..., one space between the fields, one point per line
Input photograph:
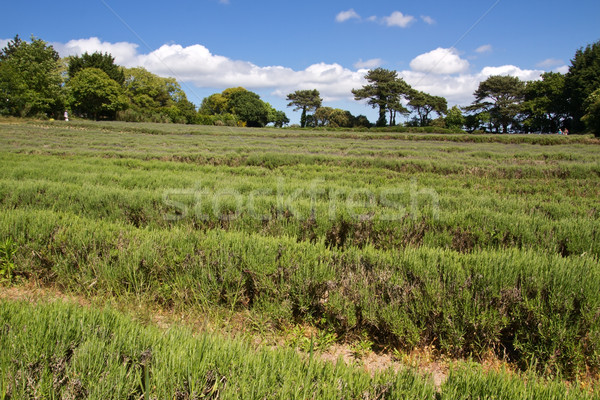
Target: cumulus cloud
x=3 y=43
x=368 y=64
x=550 y=63
x=398 y=19
x=440 y=61
x=440 y=72
x=458 y=89
x=486 y=48
x=511 y=70
x=125 y=53
x=427 y=19
x=346 y=15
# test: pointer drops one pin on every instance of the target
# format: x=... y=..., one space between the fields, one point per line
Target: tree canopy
x=30 y=81
x=424 y=104
x=545 y=107
x=105 y=62
x=305 y=100
x=501 y=97
x=94 y=94
x=582 y=80
x=385 y=91
x=244 y=106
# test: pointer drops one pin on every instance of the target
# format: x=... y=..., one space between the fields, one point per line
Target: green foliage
x=249 y=108
x=94 y=94
x=385 y=90
x=334 y=118
x=305 y=100
x=30 y=79
x=454 y=118
x=592 y=116
x=8 y=249
x=240 y=106
x=507 y=266
x=60 y=350
x=582 y=80
x=424 y=104
x=276 y=117
x=105 y=62
x=213 y=105
x=156 y=99
x=501 y=97
x=546 y=106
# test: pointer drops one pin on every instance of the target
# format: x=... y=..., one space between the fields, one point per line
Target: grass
x=470 y=244
x=60 y=350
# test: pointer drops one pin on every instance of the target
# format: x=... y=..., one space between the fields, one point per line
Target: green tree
x=94 y=94
x=213 y=105
x=582 y=80
x=276 y=117
x=152 y=97
x=105 y=62
x=592 y=113
x=30 y=80
x=424 y=104
x=384 y=91
x=501 y=96
x=454 y=118
x=545 y=106
x=305 y=100
x=248 y=107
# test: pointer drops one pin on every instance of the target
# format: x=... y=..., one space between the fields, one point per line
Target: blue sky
x=275 y=47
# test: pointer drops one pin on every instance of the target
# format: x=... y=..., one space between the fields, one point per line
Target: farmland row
x=526 y=306
x=59 y=350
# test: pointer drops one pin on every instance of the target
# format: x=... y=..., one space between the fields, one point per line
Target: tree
x=582 y=80
x=30 y=80
x=152 y=96
x=424 y=104
x=305 y=100
x=276 y=117
x=334 y=118
x=592 y=113
x=501 y=96
x=95 y=94
x=385 y=90
x=214 y=104
x=248 y=107
x=454 y=118
x=105 y=62
x=545 y=107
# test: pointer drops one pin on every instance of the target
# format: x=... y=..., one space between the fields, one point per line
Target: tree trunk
x=381 y=121
x=303 y=118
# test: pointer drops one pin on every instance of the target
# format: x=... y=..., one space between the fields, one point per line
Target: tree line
x=36 y=82
x=502 y=103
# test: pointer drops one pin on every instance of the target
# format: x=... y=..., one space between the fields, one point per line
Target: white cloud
x=486 y=48
x=368 y=64
x=563 y=69
x=346 y=15
x=458 y=89
x=125 y=53
x=440 y=72
x=511 y=70
x=550 y=63
x=3 y=43
x=428 y=20
x=398 y=19
x=440 y=61
x=372 y=18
